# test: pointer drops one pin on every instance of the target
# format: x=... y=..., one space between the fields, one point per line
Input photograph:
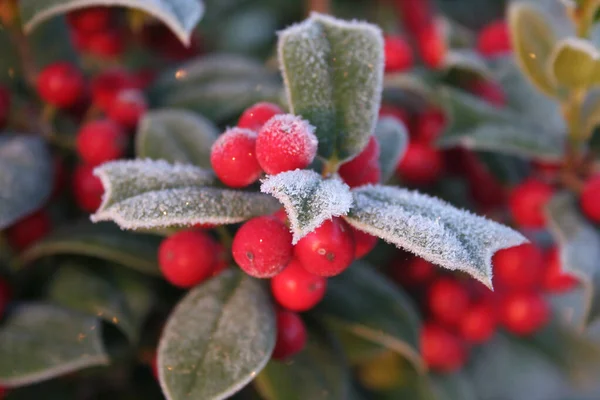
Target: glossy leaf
x=575 y=63
x=393 y=140
x=228 y=327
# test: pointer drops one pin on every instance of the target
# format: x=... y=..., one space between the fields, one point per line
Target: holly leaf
x=317 y=372
x=393 y=140
x=181 y=16
x=42 y=341
x=25 y=176
x=309 y=200
x=333 y=74
x=104 y=241
x=229 y=328
x=431 y=228
x=365 y=304
x=150 y=194
x=176 y=136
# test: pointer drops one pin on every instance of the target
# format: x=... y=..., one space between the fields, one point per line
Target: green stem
x=224 y=236
x=330 y=167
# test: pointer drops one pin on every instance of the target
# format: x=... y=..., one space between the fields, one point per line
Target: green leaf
x=456 y=386
x=25 y=176
x=477 y=125
x=590 y=113
x=317 y=372
x=42 y=341
x=466 y=61
x=365 y=304
x=104 y=241
x=228 y=325
x=176 y=136
x=151 y=194
x=393 y=140
x=431 y=228
x=181 y=16
x=333 y=73
x=309 y=200
x=575 y=63
x=533 y=41
x=579 y=245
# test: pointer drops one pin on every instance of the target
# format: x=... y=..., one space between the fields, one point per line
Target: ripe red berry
x=489 y=91
x=87 y=188
x=415 y=271
x=398 y=54
x=448 y=301
x=107 y=85
x=91 y=19
x=187 y=258
x=527 y=201
x=5 y=295
x=328 y=250
x=3 y=392
x=478 y=324
x=285 y=142
x=297 y=289
x=4 y=106
x=416 y=14
x=128 y=107
x=388 y=110
x=233 y=158
x=494 y=39
x=60 y=84
x=441 y=350
x=256 y=116
x=291 y=335
x=364 y=168
x=421 y=164
x=519 y=267
x=555 y=279
x=429 y=125
x=524 y=313
x=262 y=247
x=590 y=199
x=100 y=141
x=106 y=44
x=28 y=230
x=432 y=45
x=363 y=243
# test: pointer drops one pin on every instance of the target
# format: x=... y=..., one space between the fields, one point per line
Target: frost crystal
x=432 y=229
x=309 y=200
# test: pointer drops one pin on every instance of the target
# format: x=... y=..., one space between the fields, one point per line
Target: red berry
x=527 y=201
x=100 y=141
x=106 y=44
x=363 y=243
x=91 y=19
x=128 y=107
x=364 y=168
x=297 y=289
x=87 y=188
x=107 y=85
x=291 y=335
x=28 y=230
x=328 y=250
x=262 y=247
x=524 y=313
x=3 y=392
x=555 y=279
x=441 y=350
x=398 y=54
x=415 y=271
x=281 y=215
x=421 y=164
x=233 y=158
x=416 y=14
x=494 y=39
x=590 y=199
x=256 y=116
x=429 y=125
x=489 y=91
x=519 y=267
x=61 y=84
x=431 y=45
x=285 y=142
x=478 y=324
x=5 y=295
x=4 y=106
x=187 y=258
x=387 y=110
x=448 y=301
x=222 y=259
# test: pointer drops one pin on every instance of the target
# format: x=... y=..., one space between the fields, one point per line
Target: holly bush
x=255 y=199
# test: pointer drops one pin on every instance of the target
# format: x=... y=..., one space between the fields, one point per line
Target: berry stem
x=224 y=236
x=330 y=167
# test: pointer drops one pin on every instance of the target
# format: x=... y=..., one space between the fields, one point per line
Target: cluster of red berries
x=95 y=31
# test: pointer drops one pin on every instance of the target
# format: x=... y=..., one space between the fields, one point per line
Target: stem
x=224 y=236
x=330 y=167
x=320 y=6
x=28 y=66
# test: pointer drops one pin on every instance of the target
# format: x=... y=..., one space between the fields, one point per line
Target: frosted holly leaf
x=145 y=194
x=431 y=229
x=308 y=199
x=393 y=139
x=333 y=73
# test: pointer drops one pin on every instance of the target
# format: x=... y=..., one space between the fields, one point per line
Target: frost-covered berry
x=262 y=247
x=398 y=54
x=60 y=84
x=441 y=350
x=432 y=45
x=256 y=116
x=590 y=198
x=100 y=141
x=429 y=125
x=28 y=230
x=87 y=188
x=4 y=106
x=364 y=168
x=524 y=313
x=90 y=19
x=128 y=107
x=5 y=295
x=328 y=250
x=296 y=289
x=233 y=158
x=519 y=267
x=285 y=142
x=413 y=272
x=489 y=91
x=555 y=280
x=494 y=39
x=187 y=258
x=107 y=85
x=291 y=335
x=479 y=322
x=421 y=164
x=448 y=301
x=527 y=201
x=363 y=243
